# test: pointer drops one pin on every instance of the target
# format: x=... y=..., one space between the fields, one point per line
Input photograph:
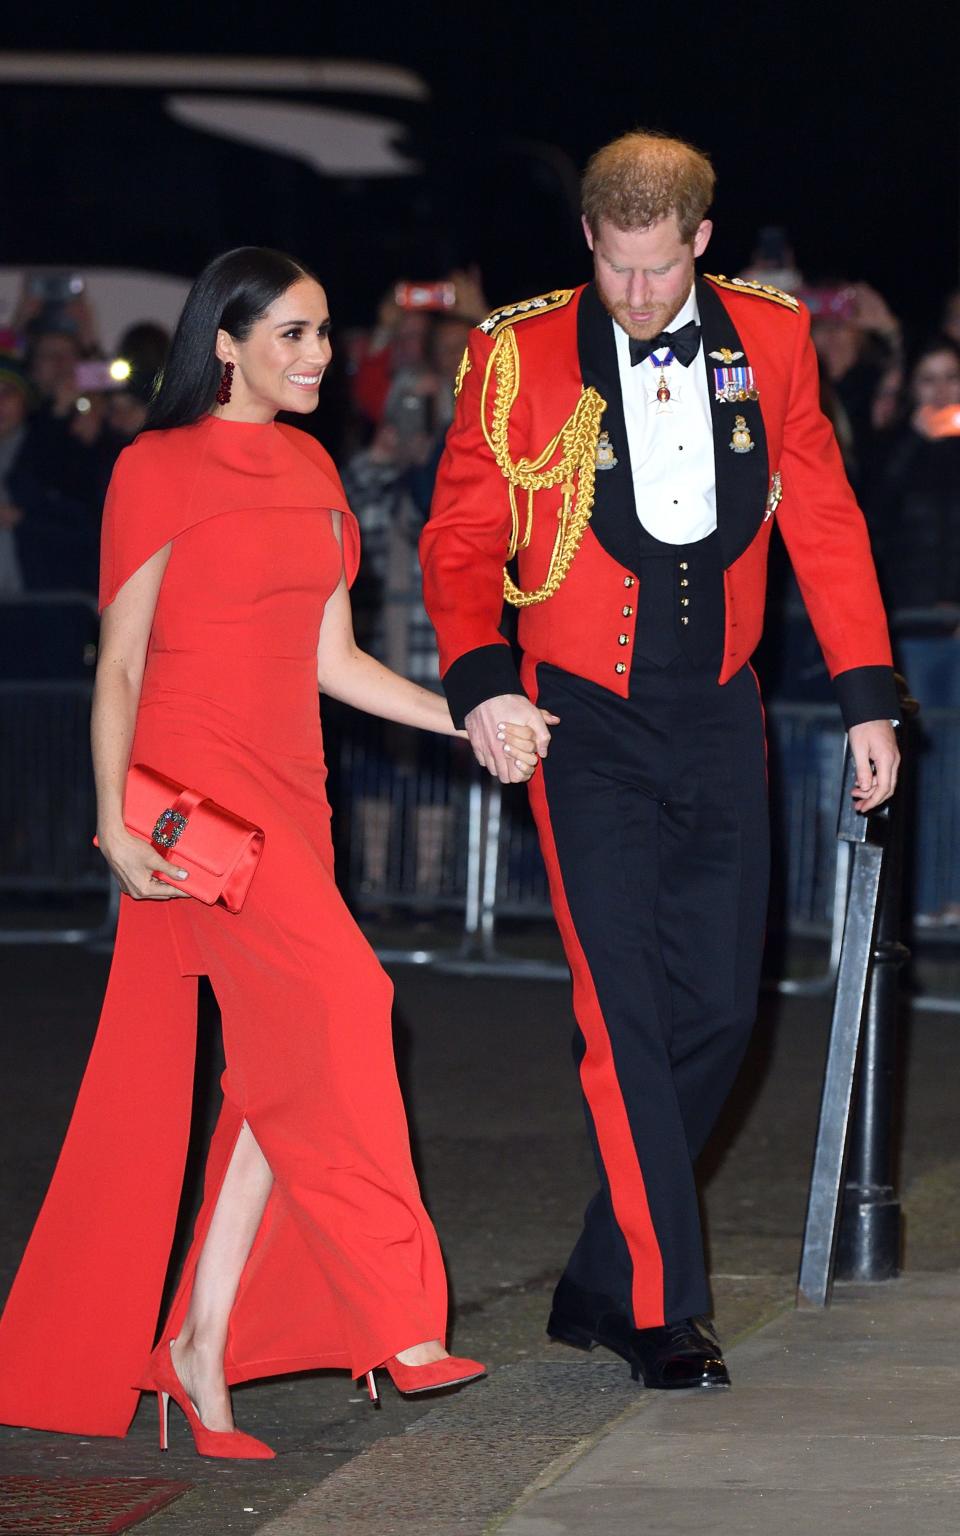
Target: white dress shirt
x=671 y=447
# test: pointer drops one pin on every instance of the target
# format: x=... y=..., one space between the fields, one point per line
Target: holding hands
x=509 y=735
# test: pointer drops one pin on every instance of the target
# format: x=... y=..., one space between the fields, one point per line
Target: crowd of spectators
x=67 y=408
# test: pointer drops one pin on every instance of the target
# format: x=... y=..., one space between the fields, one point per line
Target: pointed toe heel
x=227 y=1444
x=453 y=1371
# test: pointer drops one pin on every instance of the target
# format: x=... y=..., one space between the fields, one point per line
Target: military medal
x=741 y=441
x=663 y=388
x=734 y=384
x=606 y=458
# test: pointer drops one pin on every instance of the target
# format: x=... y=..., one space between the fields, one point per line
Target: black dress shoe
x=674 y=1357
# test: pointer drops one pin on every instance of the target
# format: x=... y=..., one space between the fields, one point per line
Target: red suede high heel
x=161 y=1377
x=454 y=1371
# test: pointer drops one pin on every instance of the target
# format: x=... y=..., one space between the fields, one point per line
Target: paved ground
x=845 y=1422
x=501 y=1151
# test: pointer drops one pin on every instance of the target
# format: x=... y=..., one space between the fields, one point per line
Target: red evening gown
x=345 y=1269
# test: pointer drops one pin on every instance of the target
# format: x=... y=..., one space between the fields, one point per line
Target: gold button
x=623 y=639
x=684 y=582
x=684 y=602
x=628 y=581
x=684 y=620
x=620 y=667
x=684 y=565
x=627 y=610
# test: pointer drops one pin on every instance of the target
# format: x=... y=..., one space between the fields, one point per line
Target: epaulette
x=525 y=310
x=761 y=290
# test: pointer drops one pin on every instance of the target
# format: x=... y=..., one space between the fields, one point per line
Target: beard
x=660 y=314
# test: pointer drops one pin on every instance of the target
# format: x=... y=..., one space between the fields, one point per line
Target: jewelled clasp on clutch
x=169 y=828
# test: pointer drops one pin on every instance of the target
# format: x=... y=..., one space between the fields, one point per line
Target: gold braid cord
x=577 y=441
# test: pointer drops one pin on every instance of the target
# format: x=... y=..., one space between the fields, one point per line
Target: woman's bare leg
x=199 y=1348
x=200 y=1345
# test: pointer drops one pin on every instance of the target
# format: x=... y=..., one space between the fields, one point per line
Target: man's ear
x=587 y=231
x=702 y=237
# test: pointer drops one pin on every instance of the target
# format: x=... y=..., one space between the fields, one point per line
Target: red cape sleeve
x=140 y=515
x=330 y=493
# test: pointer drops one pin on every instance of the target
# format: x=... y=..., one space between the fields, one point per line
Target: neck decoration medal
x=663 y=388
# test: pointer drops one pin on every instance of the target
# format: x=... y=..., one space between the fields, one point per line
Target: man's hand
x=877 y=758
x=485 y=727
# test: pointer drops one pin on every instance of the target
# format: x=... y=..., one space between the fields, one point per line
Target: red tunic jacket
x=580 y=628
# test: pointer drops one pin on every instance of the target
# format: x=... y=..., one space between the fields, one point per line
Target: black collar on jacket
x=741 y=478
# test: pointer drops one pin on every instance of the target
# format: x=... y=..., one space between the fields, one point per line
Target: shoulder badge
x=747 y=285
x=525 y=310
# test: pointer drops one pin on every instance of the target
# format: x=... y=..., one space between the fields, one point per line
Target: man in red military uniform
x=624 y=448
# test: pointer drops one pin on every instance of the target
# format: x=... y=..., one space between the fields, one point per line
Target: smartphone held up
x=429 y=296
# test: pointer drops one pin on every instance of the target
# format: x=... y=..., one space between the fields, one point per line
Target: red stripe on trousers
x=601 y=1089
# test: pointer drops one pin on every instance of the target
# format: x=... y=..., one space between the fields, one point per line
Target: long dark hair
x=231 y=294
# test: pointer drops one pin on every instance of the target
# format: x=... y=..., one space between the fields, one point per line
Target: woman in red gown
x=228 y=548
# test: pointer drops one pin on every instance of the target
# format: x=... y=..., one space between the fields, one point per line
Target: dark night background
x=839 y=123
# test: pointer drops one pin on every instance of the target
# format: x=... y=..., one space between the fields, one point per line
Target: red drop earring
x=226 y=384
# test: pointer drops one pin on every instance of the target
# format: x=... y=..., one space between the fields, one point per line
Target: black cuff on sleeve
x=478 y=675
x=867 y=693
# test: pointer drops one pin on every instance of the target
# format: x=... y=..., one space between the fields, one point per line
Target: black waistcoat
x=663 y=603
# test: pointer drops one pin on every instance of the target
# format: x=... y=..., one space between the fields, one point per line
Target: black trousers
x=652 y=815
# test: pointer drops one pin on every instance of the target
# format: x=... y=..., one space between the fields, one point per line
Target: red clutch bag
x=218 y=849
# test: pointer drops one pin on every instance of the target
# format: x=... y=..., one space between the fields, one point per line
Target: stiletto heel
x=372 y=1389
x=161 y=1377
x=453 y=1371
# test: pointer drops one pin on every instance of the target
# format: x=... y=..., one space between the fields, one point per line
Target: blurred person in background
x=52 y=359
x=50 y=497
x=127 y=407
x=58 y=330
x=390 y=485
x=858 y=339
x=772 y=260
x=950 y=319
x=401 y=337
x=914 y=510
x=15 y=401
x=143 y=347
x=915 y=495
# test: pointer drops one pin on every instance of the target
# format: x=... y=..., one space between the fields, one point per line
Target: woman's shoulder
x=318 y=456
x=161 y=450
x=309 y=447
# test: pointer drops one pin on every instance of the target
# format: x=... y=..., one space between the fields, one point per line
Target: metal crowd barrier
x=48 y=651
x=48 y=811
x=420 y=833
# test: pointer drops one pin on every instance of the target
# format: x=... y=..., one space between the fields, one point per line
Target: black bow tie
x=684 y=344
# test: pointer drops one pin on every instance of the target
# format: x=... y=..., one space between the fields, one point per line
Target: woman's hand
x=134 y=861
x=486 y=721
x=520 y=748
